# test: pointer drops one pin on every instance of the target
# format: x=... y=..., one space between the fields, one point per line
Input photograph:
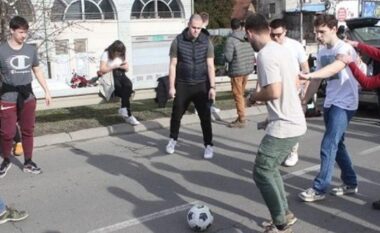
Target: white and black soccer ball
x=199 y=217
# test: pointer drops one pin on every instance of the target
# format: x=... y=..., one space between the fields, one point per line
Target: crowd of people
x=285 y=85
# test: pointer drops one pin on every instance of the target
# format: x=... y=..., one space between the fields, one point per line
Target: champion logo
x=2 y=107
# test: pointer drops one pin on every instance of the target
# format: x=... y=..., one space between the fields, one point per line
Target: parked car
x=367 y=30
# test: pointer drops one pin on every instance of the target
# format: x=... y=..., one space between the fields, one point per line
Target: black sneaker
x=4 y=167
x=31 y=167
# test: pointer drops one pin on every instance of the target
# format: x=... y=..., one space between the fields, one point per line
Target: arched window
x=82 y=10
x=156 y=9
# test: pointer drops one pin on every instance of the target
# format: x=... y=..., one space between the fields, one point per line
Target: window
x=272 y=8
x=61 y=47
x=82 y=10
x=142 y=9
x=80 y=45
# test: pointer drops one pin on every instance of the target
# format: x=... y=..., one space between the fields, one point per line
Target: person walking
x=8 y=214
x=192 y=79
x=340 y=105
x=18 y=61
x=368 y=82
x=286 y=121
x=114 y=60
x=240 y=57
x=299 y=61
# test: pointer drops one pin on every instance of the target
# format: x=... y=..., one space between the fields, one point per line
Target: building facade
x=72 y=34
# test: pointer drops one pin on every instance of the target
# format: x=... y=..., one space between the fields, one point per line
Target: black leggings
x=198 y=94
x=124 y=90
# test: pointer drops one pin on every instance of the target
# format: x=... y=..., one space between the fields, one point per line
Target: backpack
x=162 y=91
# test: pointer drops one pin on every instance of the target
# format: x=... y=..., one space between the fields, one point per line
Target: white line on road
x=370 y=150
x=149 y=217
x=301 y=172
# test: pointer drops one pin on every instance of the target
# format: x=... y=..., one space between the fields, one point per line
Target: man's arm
x=267 y=93
x=326 y=72
x=369 y=82
x=305 y=67
x=312 y=88
x=211 y=77
x=172 y=76
x=41 y=80
x=229 y=50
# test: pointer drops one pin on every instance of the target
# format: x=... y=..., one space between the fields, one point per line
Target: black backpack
x=162 y=91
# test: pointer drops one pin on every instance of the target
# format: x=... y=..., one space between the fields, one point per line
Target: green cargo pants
x=272 y=152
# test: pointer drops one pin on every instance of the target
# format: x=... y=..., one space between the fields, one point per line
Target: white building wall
x=156 y=35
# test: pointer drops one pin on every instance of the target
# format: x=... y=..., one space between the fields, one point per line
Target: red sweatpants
x=8 y=120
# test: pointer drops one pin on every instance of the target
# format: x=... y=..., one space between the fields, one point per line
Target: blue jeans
x=333 y=149
x=2 y=206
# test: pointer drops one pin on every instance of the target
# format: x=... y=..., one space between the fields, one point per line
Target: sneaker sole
x=13 y=219
x=305 y=199
x=30 y=171
x=343 y=193
x=269 y=223
x=6 y=170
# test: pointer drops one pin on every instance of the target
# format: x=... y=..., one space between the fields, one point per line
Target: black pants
x=124 y=90
x=198 y=94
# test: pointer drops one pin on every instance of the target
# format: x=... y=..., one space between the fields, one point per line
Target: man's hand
x=172 y=92
x=352 y=43
x=346 y=59
x=48 y=99
x=303 y=76
x=212 y=94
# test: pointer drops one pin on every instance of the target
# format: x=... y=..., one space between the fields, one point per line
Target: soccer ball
x=199 y=218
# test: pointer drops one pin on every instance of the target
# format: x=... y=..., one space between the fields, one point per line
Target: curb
x=86 y=134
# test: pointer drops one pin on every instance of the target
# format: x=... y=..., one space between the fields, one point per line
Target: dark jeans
x=124 y=90
x=198 y=94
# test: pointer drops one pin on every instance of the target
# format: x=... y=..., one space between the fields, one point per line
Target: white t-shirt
x=116 y=62
x=297 y=52
x=342 y=88
x=285 y=115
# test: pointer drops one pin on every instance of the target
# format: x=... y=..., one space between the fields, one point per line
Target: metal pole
x=301 y=21
x=46 y=40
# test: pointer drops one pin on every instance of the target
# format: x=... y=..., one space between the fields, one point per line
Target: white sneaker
x=171 y=146
x=291 y=160
x=214 y=109
x=132 y=121
x=123 y=112
x=209 y=152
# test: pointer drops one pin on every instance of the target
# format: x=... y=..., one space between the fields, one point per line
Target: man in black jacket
x=192 y=79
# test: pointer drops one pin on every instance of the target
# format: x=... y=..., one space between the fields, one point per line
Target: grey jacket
x=239 y=54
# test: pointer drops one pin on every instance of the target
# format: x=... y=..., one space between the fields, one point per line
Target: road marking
x=301 y=172
x=149 y=217
x=370 y=150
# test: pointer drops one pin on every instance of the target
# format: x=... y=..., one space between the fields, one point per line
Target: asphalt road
x=128 y=184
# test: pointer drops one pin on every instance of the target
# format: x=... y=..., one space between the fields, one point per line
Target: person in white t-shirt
x=298 y=62
x=286 y=121
x=114 y=60
x=340 y=105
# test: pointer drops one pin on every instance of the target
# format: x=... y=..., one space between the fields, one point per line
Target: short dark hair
x=276 y=23
x=257 y=23
x=235 y=23
x=326 y=20
x=18 y=22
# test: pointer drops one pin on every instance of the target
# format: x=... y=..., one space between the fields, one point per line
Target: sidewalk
x=47 y=140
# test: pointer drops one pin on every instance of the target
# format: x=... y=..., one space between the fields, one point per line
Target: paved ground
x=126 y=182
